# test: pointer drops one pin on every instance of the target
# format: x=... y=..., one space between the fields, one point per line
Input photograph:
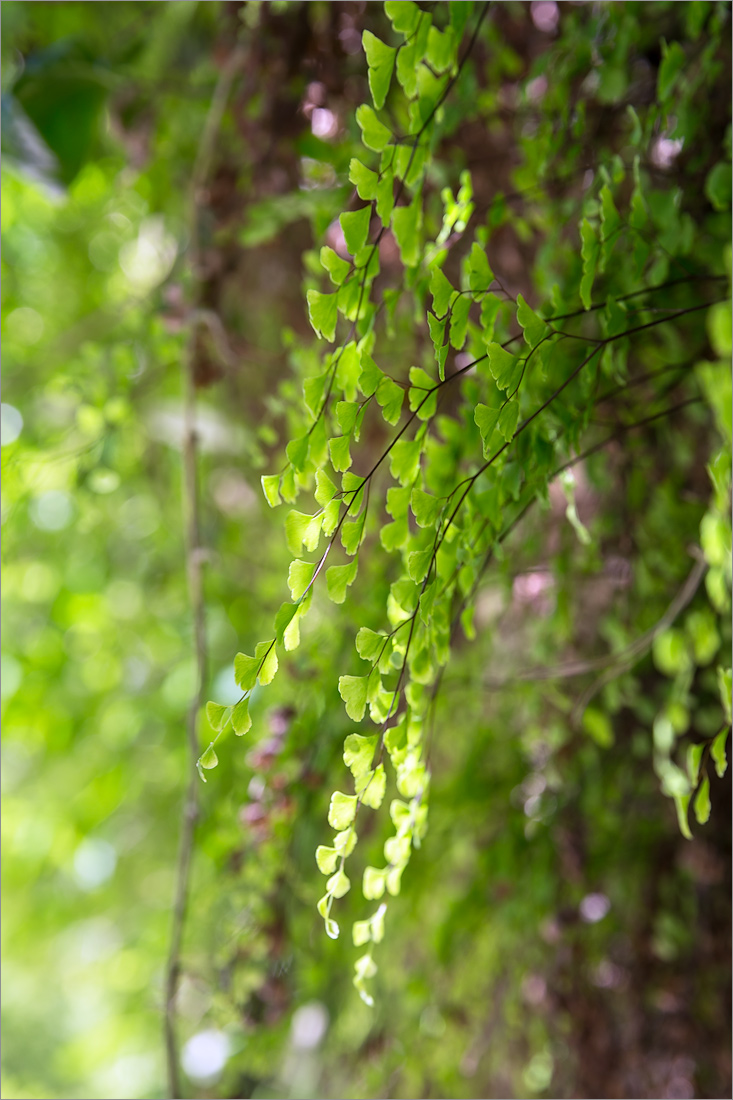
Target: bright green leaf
x=701 y=804
x=342 y=810
x=300 y=575
x=271 y=489
x=355 y=226
x=338 y=579
x=353 y=691
x=364 y=180
x=381 y=60
x=217 y=715
x=323 y=313
x=374 y=133
x=241 y=720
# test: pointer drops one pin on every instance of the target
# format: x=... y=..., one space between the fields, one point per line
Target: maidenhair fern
x=623 y=285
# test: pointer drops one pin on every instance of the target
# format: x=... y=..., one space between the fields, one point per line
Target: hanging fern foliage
x=485 y=398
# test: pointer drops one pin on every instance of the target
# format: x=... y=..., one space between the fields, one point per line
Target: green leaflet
x=404 y=460
x=355 y=226
x=340 y=454
x=347 y=370
x=487 y=419
x=404 y=15
x=217 y=715
x=342 y=810
x=266 y=656
x=300 y=575
x=374 y=133
x=314 y=392
x=364 y=180
x=297 y=452
x=336 y=267
x=353 y=691
x=406 y=222
x=359 y=753
x=422 y=396
x=718 y=186
x=338 y=885
x=610 y=220
x=508 y=419
x=287 y=629
x=701 y=805
x=369 y=644
x=373 y=883
x=241 y=720
x=345 y=841
x=459 y=322
x=346 y=414
x=370 y=375
x=673 y=63
x=302 y=529
x=505 y=368
x=694 y=756
x=381 y=60
x=325 y=488
x=271 y=489
x=370 y=787
x=480 y=275
x=442 y=292
x=338 y=579
x=208 y=760
x=327 y=859
x=322 y=313
x=351 y=534
x=418 y=564
x=534 y=327
x=385 y=198
x=717 y=753
x=460 y=13
x=361 y=932
x=398 y=500
x=390 y=397
x=425 y=507
x=332 y=928
x=245 y=671
x=437 y=329
x=441 y=49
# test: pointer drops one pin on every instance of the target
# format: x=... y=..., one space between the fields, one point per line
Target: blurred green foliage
x=555 y=934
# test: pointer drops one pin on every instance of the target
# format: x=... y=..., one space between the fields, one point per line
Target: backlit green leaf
x=364 y=180
x=701 y=804
x=323 y=313
x=355 y=226
x=271 y=489
x=336 y=267
x=241 y=720
x=338 y=579
x=406 y=228
x=374 y=133
x=380 y=59
x=404 y=15
x=342 y=810
x=353 y=691
x=217 y=715
x=300 y=575
x=327 y=859
x=266 y=656
x=505 y=368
